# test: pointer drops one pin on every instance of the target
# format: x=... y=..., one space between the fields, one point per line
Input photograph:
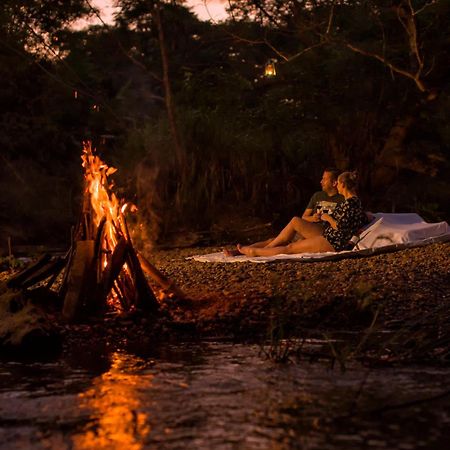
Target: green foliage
x=249 y=142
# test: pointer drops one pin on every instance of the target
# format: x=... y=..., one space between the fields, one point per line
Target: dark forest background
x=203 y=140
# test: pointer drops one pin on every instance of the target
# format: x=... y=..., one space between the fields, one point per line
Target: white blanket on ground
x=388 y=229
x=388 y=232
x=220 y=257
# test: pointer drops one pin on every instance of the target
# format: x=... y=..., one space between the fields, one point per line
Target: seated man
x=322 y=202
x=326 y=200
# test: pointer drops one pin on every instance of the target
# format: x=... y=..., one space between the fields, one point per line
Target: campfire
x=102 y=271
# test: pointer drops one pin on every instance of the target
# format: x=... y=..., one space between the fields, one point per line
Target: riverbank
x=386 y=307
x=405 y=295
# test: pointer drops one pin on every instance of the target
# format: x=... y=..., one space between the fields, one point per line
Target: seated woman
x=334 y=236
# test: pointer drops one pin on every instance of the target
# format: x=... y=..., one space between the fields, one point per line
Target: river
x=218 y=395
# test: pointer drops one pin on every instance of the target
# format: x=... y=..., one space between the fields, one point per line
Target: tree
x=33 y=136
x=150 y=16
x=398 y=68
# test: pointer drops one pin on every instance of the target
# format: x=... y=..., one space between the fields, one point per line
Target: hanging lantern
x=270 y=69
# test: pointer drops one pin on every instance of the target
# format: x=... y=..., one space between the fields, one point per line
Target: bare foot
x=232 y=252
x=246 y=250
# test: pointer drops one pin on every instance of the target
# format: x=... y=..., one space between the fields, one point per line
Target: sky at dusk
x=205 y=9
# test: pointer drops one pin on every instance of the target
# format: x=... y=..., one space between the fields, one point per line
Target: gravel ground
x=244 y=299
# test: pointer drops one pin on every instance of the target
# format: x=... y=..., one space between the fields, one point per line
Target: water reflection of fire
x=115 y=405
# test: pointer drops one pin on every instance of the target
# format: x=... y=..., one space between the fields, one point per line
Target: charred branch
x=112 y=271
x=145 y=298
x=16 y=281
x=53 y=268
x=158 y=277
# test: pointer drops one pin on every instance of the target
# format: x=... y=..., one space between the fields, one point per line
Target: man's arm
x=310 y=216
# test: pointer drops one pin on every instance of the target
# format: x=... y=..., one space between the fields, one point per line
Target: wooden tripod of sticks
x=98 y=275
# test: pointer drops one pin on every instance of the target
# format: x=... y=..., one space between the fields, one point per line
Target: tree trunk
x=179 y=147
x=393 y=156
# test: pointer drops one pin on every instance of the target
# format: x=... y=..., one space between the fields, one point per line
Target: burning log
x=102 y=269
x=112 y=271
x=105 y=270
x=144 y=296
x=158 y=277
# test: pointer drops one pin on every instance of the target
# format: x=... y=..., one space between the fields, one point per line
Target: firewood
x=158 y=277
x=120 y=296
x=80 y=279
x=16 y=281
x=98 y=250
x=103 y=264
x=55 y=275
x=69 y=258
x=112 y=270
x=146 y=299
x=52 y=268
x=99 y=235
x=126 y=287
x=88 y=224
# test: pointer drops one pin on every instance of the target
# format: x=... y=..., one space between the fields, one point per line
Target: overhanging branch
x=415 y=77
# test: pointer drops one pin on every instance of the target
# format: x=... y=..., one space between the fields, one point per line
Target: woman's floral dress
x=349 y=217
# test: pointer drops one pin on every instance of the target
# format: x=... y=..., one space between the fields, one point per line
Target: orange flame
x=104 y=203
x=105 y=206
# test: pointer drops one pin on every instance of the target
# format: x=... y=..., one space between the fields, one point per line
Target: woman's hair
x=349 y=180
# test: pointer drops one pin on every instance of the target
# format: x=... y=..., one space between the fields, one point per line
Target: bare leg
x=236 y=252
x=314 y=244
x=297 y=226
x=262 y=244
